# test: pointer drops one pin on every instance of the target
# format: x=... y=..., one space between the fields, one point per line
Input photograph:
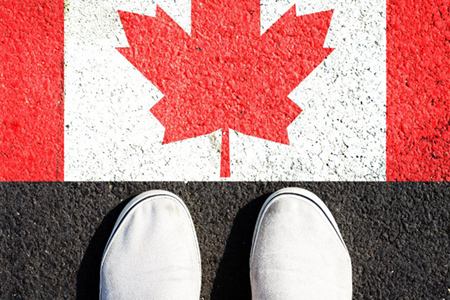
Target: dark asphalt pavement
x=52 y=235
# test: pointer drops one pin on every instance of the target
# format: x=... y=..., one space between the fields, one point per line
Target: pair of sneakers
x=297 y=252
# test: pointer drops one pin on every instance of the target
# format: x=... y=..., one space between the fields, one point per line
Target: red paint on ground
x=226 y=74
x=418 y=90
x=31 y=90
x=225 y=170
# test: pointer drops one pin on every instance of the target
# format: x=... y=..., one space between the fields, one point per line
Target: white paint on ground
x=110 y=133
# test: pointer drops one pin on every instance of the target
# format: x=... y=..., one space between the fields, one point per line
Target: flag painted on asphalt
x=225 y=90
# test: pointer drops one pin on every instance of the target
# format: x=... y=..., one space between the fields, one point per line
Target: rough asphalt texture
x=52 y=235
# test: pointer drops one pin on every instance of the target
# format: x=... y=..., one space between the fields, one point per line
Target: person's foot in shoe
x=152 y=252
x=298 y=251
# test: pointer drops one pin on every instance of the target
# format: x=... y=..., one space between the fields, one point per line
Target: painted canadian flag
x=225 y=90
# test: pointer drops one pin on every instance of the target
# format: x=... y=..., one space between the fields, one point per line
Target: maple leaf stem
x=225 y=154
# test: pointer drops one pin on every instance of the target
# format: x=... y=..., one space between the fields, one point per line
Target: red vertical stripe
x=31 y=90
x=418 y=97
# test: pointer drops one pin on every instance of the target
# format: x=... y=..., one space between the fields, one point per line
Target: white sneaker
x=153 y=251
x=298 y=251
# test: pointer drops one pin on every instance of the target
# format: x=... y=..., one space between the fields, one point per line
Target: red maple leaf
x=226 y=75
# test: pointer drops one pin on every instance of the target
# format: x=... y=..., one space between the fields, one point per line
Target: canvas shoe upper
x=152 y=252
x=298 y=251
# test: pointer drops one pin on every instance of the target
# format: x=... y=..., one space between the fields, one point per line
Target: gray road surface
x=52 y=235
